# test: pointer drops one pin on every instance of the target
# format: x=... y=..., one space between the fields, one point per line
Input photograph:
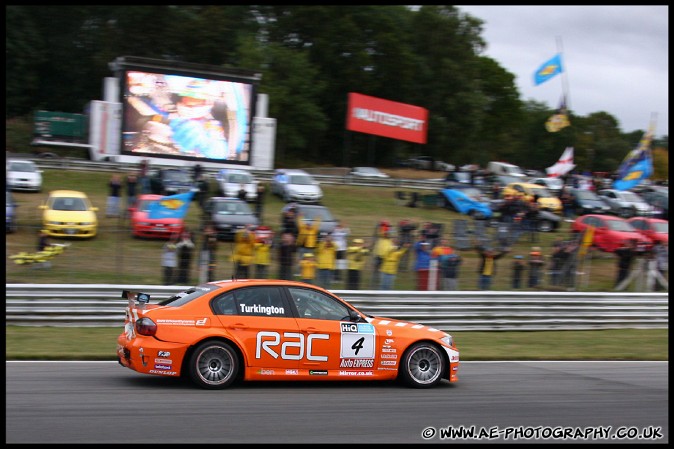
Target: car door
x=333 y=342
x=261 y=321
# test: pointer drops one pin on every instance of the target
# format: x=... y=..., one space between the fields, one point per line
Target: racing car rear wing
x=136 y=298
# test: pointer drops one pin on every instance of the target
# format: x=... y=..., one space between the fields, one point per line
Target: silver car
x=229 y=215
x=296 y=186
x=626 y=204
x=231 y=180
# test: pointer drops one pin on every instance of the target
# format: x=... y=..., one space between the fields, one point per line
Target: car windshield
x=239 y=178
x=542 y=192
x=619 y=225
x=586 y=195
x=188 y=295
x=28 y=167
x=630 y=196
x=66 y=203
x=661 y=227
x=312 y=213
x=144 y=205
x=301 y=180
x=232 y=208
x=473 y=194
x=176 y=176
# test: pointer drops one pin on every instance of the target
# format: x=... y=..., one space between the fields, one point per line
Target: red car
x=610 y=232
x=653 y=228
x=143 y=226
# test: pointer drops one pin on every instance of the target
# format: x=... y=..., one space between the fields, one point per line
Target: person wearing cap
x=262 y=257
x=487 y=265
x=518 y=268
x=356 y=256
x=326 y=255
x=536 y=262
x=307 y=235
x=308 y=268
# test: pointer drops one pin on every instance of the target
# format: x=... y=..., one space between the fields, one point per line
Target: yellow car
x=68 y=213
x=527 y=191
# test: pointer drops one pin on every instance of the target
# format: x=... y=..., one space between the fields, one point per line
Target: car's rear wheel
x=545 y=226
x=422 y=365
x=626 y=212
x=214 y=365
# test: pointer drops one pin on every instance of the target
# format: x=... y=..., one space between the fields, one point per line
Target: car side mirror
x=354 y=316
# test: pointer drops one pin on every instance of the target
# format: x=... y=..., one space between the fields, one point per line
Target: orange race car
x=253 y=329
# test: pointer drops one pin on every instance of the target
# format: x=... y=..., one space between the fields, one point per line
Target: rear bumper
x=150 y=356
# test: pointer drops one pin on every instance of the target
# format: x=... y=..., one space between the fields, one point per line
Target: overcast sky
x=615 y=58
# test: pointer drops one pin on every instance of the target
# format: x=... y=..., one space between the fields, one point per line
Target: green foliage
x=311 y=57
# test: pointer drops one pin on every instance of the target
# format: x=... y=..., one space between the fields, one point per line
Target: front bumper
x=75 y=231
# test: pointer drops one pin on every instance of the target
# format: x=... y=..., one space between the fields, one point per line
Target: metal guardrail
x=101 y=305
x=262 y=175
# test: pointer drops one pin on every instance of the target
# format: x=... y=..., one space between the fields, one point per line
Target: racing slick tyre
x=422 y=365
x=214 y=365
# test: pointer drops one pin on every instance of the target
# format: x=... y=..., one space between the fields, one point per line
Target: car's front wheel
x=422 y=365
x=214 y=365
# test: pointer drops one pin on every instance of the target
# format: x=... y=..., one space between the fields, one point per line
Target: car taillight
x=146 y=326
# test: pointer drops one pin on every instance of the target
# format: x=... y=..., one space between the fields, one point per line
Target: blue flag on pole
x=548 y=69
x=172 y=206
x=637 y=165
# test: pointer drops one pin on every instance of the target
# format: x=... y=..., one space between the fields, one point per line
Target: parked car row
x=611 y=232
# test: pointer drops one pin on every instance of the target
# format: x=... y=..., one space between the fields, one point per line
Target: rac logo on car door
x=269 y=342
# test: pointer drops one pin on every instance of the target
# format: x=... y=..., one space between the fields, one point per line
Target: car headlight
x=448 y=340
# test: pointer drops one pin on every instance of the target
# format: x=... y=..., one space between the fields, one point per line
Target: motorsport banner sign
x=386 y=118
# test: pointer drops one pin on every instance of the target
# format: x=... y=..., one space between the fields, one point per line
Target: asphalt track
x=102 y=402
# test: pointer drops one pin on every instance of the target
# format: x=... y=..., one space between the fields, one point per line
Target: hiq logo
x=349 y=327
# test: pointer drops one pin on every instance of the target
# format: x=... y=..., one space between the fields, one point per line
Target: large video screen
x=185 y=117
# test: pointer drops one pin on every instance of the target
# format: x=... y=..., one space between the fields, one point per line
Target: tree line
x=310 y=58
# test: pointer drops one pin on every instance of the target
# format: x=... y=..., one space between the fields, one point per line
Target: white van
x=505 y=169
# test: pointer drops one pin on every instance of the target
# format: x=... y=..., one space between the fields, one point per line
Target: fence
x=86 y=305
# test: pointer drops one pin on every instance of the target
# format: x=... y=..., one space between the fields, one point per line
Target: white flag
x=563 y=165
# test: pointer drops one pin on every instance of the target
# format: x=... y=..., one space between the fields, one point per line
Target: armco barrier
x=88 y=305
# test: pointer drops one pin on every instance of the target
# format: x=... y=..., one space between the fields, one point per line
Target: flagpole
x=565 y=82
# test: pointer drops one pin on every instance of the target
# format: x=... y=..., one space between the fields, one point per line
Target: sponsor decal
x=164 y=361
x=164 y=367
x=163 y=353
x=356 y=373
x=388 y=350
x=389 y=332
x=365 y=329
x=292 y=371
x=177 y=322
x=389 y=341
x=269 y=342
x=318 y=372
x=455 y=358
x=388 y=362
x=387 y=369
x=417 y=326
x=202 y=322
x=265 y=310
x=266 y=372
x=384 y=322
x=356 y=363
x=349 y=327
x=389 y=356
x=401 y=324
x=165 y=373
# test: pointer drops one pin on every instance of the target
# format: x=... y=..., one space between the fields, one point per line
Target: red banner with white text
x=386 y=118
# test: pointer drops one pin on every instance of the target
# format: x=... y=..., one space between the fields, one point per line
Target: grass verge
x=95 y=343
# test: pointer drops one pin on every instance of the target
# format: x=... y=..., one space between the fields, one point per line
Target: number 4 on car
x=245 y=330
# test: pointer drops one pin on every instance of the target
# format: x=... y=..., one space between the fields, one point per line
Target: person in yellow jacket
x=308 y=268
x=382 y=246
x=389 y=266
x=244 y=250
x=326 y=256
x=262 y=257
x=307 y=235
x=356 y=256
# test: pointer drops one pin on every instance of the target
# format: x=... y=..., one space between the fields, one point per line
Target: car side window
x=259 y=301
x=317 y=305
